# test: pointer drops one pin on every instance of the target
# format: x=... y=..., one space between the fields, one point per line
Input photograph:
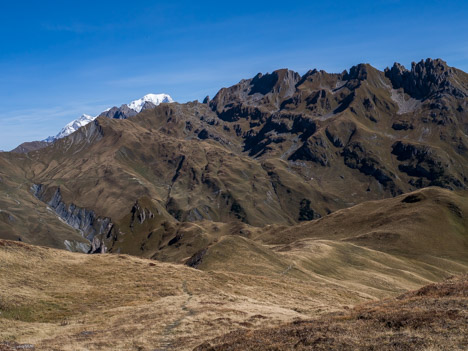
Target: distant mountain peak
x=156 y=99
x=83 y=120
x=136 y=106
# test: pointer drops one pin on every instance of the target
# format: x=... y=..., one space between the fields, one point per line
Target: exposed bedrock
x=430 y=165
x=84 y=220
x=425 y=79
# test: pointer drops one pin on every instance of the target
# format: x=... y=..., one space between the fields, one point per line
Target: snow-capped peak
x=156 y=99
x=74 y=125
x=136 y=105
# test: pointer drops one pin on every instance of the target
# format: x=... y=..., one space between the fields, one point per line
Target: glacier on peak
x=156 y=99
x=75 y=125
x=71 y=127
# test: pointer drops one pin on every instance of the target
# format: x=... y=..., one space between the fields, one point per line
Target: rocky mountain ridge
x=279 y=148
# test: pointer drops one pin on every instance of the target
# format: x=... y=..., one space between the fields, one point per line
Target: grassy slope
x=57 y=299
x=24 y=217
x=432 y=318
x=68 y=301
x=377 y=248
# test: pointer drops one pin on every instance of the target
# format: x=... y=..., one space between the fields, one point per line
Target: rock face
x=81 y=219
x=427 y=79
x=121 y=112
x=430 y=166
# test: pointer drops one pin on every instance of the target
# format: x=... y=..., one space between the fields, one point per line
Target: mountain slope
x=292 y=197
x=23 y=217
x=30 y=146
x=410 y=239
x=73 y=301
x=433 y=317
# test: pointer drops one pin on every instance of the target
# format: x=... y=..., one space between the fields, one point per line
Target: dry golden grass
x=58 y=300
x=247 y=278
x=432 y=318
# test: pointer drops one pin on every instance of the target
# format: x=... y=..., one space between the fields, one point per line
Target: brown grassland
x=267 y=277
x=432 y=318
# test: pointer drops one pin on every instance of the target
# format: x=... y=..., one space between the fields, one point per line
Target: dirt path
x=168 y=334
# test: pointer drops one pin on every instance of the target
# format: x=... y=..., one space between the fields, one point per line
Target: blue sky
x=59 y=59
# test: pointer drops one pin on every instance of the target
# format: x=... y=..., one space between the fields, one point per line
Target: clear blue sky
x=59 y=59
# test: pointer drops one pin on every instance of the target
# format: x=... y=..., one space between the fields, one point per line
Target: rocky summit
x=336 y=188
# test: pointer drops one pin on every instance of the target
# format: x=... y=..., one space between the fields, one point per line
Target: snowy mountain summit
x=136 y=106
x=72 y=127
x=155 y=99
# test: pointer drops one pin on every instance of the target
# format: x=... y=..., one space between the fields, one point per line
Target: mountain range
x=126 y=110
x=279 y=148
x=283 y=197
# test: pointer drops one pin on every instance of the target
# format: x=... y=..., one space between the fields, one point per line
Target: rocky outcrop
x=86 y=221
x=357 y=157
x=282 y=82
x=358 y=72
x=122 y=112
x=402 y=125
x=196 y=259
x=139 y=214
x=429 y=165
x=316 y=149
x=306 y=213
x=75 y=246
x=232 y=113
x=429 y=78
x=268 y=90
